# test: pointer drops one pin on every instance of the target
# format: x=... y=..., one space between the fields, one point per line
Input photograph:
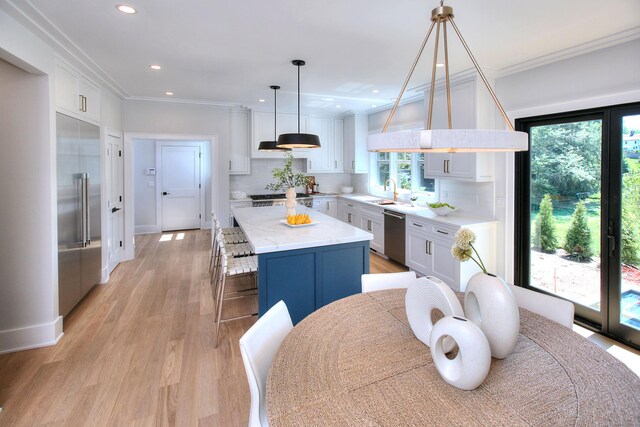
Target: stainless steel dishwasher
x=394 y=234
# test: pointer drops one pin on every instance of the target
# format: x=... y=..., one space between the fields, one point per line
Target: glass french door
x=578 y=214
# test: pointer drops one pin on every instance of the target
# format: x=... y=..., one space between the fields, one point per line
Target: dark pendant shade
x=298 y=140
x=271 y=146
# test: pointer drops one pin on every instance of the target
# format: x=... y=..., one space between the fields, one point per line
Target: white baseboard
x=146 y=229
x=30 y=337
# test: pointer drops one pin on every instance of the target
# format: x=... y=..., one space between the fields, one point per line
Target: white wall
x=261 y=175
x=144 y=156
x=156 y=117
x=28 y=258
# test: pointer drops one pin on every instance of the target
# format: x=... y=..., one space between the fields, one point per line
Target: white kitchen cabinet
x=327 y=158
x=372 y=220
x=349 y=212
x=356 y=156
x=428 y=250
x=475 y=167
x=239 y=143
x=76 y=95
x=338 y=145
x=262 y=130
x=326 y=205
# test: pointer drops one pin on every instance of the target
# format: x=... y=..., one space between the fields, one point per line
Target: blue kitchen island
x=306 y=266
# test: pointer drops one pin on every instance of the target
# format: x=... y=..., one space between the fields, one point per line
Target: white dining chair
x=557 y=309
x=258 y=347
x=381 y=281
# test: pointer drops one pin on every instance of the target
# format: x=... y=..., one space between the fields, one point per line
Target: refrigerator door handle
x=83 y=214
x=87 y=211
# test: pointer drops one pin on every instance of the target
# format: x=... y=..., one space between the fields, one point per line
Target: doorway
x=578 y=214
x=115 y=239
x=180 y=188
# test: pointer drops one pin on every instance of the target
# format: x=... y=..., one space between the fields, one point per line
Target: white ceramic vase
x=290 y=203
x=471 y=365
x=490 y=304
x=423 y=297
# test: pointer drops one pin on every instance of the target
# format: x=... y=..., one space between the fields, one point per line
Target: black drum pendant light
x=272 y=145
x=298 y=140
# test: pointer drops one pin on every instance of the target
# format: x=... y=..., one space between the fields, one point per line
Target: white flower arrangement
x=463 y=249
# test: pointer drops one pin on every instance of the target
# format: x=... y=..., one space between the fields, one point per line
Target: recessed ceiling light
x=327 y=99
x=375 y=91
x=260 y=100
x=168 y=93
x=125 y=9
x=439 y=65
x=155 y=67
x=338 y=106
x=373 y=105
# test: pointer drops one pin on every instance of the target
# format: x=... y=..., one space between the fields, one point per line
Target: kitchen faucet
x=395 y=188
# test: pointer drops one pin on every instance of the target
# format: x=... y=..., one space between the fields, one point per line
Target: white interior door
x=180 y=187
x=115 y=200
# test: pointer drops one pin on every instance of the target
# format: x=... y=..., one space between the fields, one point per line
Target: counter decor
x=285 y=178
x=488 y=301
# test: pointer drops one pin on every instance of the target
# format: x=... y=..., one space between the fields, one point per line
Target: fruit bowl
x=441 y=209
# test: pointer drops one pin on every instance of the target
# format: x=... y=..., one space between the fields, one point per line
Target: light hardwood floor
x=139 y=351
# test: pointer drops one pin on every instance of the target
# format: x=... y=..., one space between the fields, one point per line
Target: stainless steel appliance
x=279 y=199
x=79 y=240
x=394 y=235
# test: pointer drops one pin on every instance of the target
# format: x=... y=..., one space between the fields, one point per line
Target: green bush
x=630 y=238
x=544 y=233
x=578 y=241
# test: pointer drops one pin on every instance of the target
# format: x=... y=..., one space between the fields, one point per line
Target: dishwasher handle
x=398 y=216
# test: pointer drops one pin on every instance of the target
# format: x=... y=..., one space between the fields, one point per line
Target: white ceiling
x=232 y=51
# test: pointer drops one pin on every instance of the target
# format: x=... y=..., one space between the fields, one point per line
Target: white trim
x=36 y=336
x=147 y=229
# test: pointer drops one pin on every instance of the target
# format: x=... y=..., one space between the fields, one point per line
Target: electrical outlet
x=151 y=184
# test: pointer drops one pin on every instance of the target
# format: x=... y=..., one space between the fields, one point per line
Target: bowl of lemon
x=441 y=209
x=298 y=220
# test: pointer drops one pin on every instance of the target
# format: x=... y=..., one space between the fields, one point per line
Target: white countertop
x=266 y=233
x=458 y=219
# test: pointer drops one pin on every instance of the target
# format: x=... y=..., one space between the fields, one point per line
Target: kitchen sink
x=382 y=202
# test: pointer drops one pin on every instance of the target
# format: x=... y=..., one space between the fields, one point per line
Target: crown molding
x=29 y=16
x=590 y=46
x=186 y=101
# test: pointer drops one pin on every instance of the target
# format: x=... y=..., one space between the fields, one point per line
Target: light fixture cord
x=275 y=115
x=298 y=98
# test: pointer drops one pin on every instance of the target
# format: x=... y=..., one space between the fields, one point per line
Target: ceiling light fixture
x=273 y=145
x=155 y=67
x=261 y=100
x=126 y=9
x=447 y=140
x=375 y=91
x=298 y=140
x=168 y=93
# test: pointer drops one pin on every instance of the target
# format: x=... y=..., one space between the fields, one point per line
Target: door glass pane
x=565 y=210
x=630 y=225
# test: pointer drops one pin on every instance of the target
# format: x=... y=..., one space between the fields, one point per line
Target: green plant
x=578 y=240
x=285 y=178
x=544 y=233
x=630 y=238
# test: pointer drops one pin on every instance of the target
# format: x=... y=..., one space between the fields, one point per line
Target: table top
x=357 y=362
x=266 y=233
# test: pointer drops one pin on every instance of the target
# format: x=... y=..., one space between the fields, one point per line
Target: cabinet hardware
x=444 y=166
x=349 y=218
x=368 y=225
x=442 y=232
x=350 y=205
x=84 y=99
x=417 y=225
x=229 y=164
x=353 y=164
x=80 y=101
x=310 y=163
x=335 y=162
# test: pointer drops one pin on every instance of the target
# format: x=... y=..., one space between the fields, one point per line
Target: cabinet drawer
x=372 y=211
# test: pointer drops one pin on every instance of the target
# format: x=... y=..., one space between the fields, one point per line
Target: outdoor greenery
x=630 y=238
x=285 y=178
x=544 y=232
x=578 y=240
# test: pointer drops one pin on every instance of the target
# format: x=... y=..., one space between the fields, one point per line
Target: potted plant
x=285 y=178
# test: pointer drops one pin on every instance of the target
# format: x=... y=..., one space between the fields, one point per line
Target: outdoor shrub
x=630 y=239
x=544 y=234
x=578 y=241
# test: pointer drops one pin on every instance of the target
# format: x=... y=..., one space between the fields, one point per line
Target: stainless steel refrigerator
x=79 y=242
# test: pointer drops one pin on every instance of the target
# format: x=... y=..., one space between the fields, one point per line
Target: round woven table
x=356 y=362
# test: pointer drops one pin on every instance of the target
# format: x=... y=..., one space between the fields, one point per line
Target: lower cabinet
x=373 y=222
x=326 y=205
x=428 y=250
x=349 y=212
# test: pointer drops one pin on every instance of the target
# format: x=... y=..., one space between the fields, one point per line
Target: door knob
x=114 y=210
x=164 y=193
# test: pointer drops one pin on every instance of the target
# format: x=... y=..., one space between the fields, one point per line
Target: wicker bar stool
x=231 y=267
x=232 y=235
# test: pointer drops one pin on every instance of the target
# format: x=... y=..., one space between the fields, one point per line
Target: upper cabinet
x=327 y=158
x=471 y=108
x=262 y=130
x=356 y=156
x=239 y=143
x=76 y=95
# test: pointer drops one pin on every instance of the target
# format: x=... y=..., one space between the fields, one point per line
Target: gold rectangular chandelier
x=446 y=140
